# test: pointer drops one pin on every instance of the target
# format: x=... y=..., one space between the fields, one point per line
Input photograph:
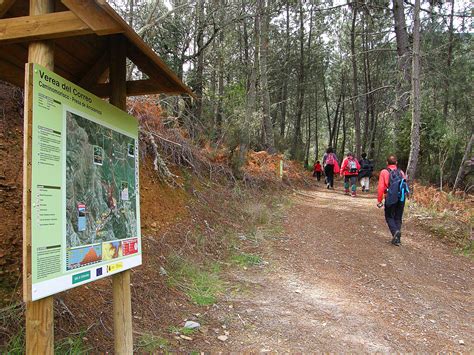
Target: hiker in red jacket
x=350 y=169
x=394 y=205
x=317 y=169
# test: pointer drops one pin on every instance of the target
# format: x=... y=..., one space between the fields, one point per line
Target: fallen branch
x=159 y=164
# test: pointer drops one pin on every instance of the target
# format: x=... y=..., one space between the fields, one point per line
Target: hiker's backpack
x=330 y=159
x=366 y=165
x=352 y=166
x=397 y=188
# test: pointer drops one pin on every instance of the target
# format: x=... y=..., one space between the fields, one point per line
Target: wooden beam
x=134 y=88
x=122 y=298
x=144 y=87
x=96 y=72
x=149 y=87
x=41 y=27
x=39 y=314
x=94 y=16
x=118 y=72
x=5 y=6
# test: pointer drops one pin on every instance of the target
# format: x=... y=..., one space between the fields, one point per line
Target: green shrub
x=201 y=285
x=149 y=343
x=245 y=259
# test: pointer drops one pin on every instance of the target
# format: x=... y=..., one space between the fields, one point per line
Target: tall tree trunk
x=131 y=12
x=403 y=60
x=308 y=140
x=355 y=84
x=296 y=145
x=448 y=63
x=198 y=89
x=308 y=53
x=316 y=123
x=251 y=99
x=416 y=99
x=326 y=103
x=220 y=74
x=365 y=57
x=213 y=82
x=371 y=103
x=338 y=130
x=332 y=130
x=284 y=96
x=336 y=138
x=462 y=172
x=246 y=46
x=343 y=144
x=268 y=139
x=373 y=132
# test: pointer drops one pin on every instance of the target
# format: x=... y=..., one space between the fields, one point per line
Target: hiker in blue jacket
x=393 y=187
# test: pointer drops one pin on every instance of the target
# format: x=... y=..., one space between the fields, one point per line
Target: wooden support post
x=123 y=339
x=39 y=314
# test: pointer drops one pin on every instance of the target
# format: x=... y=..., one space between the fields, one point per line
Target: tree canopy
x=299 y=76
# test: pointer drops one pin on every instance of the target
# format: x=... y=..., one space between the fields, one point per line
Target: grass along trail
x=331 y=281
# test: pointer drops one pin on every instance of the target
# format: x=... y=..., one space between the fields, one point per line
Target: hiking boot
x=363 y=189
x=328 y=185
x=396 y=238
x=346 y=192
x=399 y=236
x=353 y=194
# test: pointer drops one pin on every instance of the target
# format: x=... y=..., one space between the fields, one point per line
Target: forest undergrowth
x=446 y=216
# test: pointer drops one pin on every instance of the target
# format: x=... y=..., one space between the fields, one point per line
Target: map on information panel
x=100 y=191
x=85 y=202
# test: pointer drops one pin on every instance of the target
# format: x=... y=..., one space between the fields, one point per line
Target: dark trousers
x=352 y=179
x=393 y=216
x=318 y=175
x=329 y=172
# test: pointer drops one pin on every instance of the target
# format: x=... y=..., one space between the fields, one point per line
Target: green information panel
x=85 y=207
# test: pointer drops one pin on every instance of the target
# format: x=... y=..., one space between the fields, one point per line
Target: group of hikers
x=351 y=168
x=392 y=189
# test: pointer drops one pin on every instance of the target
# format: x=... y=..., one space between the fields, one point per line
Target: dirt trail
x=333 y=282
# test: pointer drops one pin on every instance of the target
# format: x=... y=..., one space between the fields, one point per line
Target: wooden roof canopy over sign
x=82 y=31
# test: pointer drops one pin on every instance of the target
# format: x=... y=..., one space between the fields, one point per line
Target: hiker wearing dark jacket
x=331 y=166
x=393 y=210
x=365 y=173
